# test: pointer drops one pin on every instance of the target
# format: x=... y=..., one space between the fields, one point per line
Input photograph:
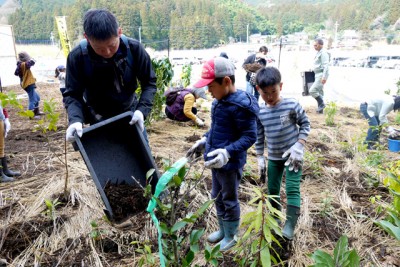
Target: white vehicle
x=392 y=63
x=177 y=61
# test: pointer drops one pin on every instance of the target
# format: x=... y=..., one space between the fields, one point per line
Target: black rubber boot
x=4 y=178
x=321 y=104
x=6 y=170
x=292 y=215
x=37 y=112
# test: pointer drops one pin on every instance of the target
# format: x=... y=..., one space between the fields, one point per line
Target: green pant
x=275 y=172
x=317 y=89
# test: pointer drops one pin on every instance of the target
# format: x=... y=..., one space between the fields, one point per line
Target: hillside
x=206 y=23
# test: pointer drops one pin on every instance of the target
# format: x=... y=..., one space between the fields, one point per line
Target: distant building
x=350 y=39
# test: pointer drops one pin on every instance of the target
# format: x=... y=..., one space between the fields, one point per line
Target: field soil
x=75 y=232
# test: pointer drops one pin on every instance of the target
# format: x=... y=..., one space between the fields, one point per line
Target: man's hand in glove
x=261 y=165
x=74 y=127
x=138 y=118
x=197 y=148
x=295 y=154
x=199 y=122
x=7 y=127
x=221 y=158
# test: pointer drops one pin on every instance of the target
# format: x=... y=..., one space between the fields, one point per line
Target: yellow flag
x=62 y=31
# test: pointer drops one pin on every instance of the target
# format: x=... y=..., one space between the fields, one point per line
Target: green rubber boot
x=292 y=215
x=230 y=228
x=217 y=236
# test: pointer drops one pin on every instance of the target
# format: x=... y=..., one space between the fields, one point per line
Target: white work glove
x=138 y=118
x=295 y=160
x=7 y=127
x=199 y=122
x=391 y=131
x=222 y=157
x=74 y=127
x=197 y=148
x=261 y=165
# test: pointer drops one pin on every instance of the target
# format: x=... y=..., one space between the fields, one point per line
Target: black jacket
x=109 y=89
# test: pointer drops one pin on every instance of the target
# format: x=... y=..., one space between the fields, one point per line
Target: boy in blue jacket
x=233 y=130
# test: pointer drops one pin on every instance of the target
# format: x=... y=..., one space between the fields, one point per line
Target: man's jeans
x=33 y=97
x=252 y=90
x=373 y=131
x=225 y=185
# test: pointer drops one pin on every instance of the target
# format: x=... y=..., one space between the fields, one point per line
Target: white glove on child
x=261 y=165
x=138 y=118
x=199 y=122
x=222 y=158
x=198 y=147
x=74 y=127
x=295 y=160
x=7 y=127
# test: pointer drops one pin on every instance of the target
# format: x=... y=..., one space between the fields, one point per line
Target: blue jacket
x=233 y=127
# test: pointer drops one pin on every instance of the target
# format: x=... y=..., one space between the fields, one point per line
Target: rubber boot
x=4 y=178
x=321 y=104
x=292 y=215
x=230 y=228
x=37 y=112
x=217 y=236
x=6 y=170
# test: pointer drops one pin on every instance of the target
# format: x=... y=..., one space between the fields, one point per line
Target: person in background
x=259 y=59
x=225 y=145
x=321 y=70
x=223 y=54
x=180 y=104
x=5 y=126
x=103 y=72
x=28 y=82
x=284 y=123
x=60 y=74
x=375 y=111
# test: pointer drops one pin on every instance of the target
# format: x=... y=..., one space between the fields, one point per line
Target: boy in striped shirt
x=285 y=125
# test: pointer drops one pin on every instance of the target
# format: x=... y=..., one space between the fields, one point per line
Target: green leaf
x=195 y=236
x=204 y=207
x=258 y=219
x=189 y=257
x=340 y=248
x=321 y=257
x=149 y=173
x=354 y=259
x=178 y=225
x=182 y=173
x=265 y=257
x=390 y=228
x=164 y=228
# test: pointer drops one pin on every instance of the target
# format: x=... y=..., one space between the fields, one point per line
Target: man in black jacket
x=102 y=75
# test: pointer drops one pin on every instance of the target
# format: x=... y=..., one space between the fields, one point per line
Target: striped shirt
x=282 y=126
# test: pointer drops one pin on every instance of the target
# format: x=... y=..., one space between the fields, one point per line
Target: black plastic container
x=114 y=151
x=308 y=80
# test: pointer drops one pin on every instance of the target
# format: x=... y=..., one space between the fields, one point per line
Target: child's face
x=271 y=94
x=219 y=91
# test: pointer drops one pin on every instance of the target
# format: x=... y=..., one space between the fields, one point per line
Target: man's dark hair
x=219 y=80
x=100 y=24
x=263 y=49
x=319 y=41
x=268 y=76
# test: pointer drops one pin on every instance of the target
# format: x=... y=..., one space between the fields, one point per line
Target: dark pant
x=225 y=185
x=373 y=131
x=173 y=117
x=33 y=97
x=275 y=172
x=251 y=89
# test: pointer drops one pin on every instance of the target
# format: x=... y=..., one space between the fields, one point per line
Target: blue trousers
x=373 y=131
x=225 y=185
x=252 y=90
x=33 y=97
